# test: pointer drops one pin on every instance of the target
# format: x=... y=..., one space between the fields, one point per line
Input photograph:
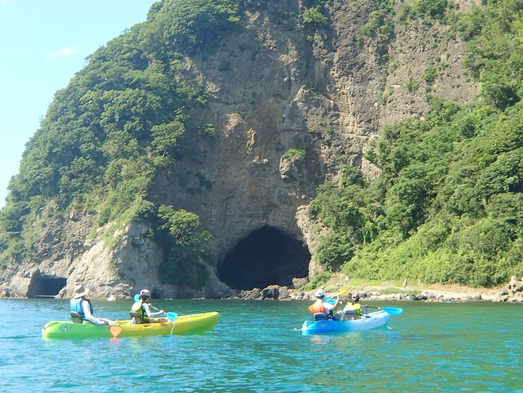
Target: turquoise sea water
x=257 y=346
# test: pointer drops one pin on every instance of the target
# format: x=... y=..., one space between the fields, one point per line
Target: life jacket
x=356 y=307
x=318 y=307
x=76 y=305
x=138 y=307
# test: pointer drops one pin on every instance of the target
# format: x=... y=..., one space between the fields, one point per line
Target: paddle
x=343 y=292
x=171 y=316
x=392 y=310
x=389 y=310
x=115 y=331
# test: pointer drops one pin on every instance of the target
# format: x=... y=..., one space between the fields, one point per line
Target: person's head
x=355 y=297
x=319 y=294
x=145 y=294
x=80 y=291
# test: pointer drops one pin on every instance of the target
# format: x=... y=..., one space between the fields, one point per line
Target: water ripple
x=258 y=347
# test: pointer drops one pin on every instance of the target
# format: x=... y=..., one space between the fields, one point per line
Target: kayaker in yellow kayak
x=82 y=308
x=142 y=308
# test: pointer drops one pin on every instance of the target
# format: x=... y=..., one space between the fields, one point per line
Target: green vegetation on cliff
x=447 y=206
x=118 y=124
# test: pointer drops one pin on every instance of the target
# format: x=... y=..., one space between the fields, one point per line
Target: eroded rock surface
x=276 y=86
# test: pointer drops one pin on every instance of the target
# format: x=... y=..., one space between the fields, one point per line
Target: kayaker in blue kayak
x=82 y=308
x=320 y=306
x=354 y=307
x=144 y=311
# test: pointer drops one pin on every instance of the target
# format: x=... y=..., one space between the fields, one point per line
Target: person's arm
x=87 y=312
x=150 y=314
x=328 y=306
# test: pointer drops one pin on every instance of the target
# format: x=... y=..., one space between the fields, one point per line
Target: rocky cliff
x=289 y=103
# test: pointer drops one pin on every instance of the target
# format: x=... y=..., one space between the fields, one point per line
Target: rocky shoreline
x=275 y=292
x=511 y=293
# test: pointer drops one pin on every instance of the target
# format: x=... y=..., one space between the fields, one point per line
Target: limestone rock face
x=276 y=86
x=324 y=95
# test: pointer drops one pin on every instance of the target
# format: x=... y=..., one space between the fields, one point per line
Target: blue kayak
x=371 y=321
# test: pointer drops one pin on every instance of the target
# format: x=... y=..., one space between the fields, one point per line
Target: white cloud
x=59 y=53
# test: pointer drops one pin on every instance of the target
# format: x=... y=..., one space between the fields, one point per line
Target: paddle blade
x=392 y=310
x=171 y=316
x=343 y=292
x=331 y=300
x=115 y=330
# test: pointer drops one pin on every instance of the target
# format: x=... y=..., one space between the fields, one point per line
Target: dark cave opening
x=265 y=257
x=45 y=286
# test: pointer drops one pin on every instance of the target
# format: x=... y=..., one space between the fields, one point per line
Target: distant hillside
x=230 y=145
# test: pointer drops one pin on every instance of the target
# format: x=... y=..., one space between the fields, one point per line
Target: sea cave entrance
x=45 y=286
x=265 y=257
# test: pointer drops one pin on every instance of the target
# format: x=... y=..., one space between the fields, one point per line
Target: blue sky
x=43 y=43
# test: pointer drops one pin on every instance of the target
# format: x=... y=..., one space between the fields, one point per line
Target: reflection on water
x=257 y=346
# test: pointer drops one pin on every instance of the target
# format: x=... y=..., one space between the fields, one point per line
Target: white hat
x=145 y=292
x=80 y=291
x=320 y=293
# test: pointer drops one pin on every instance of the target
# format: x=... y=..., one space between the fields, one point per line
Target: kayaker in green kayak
x=142 y=308
x=81 y=308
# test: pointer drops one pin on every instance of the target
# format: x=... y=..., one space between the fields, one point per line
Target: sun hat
x=80 y=291
x=145 y=292
x=320 y=293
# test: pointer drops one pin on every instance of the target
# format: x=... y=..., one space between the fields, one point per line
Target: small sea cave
x=45 y=286
x=265 y=257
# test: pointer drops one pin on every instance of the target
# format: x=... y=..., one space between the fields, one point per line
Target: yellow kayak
x=184 y=324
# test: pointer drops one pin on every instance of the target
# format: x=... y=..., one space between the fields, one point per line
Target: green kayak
x=185 y=324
